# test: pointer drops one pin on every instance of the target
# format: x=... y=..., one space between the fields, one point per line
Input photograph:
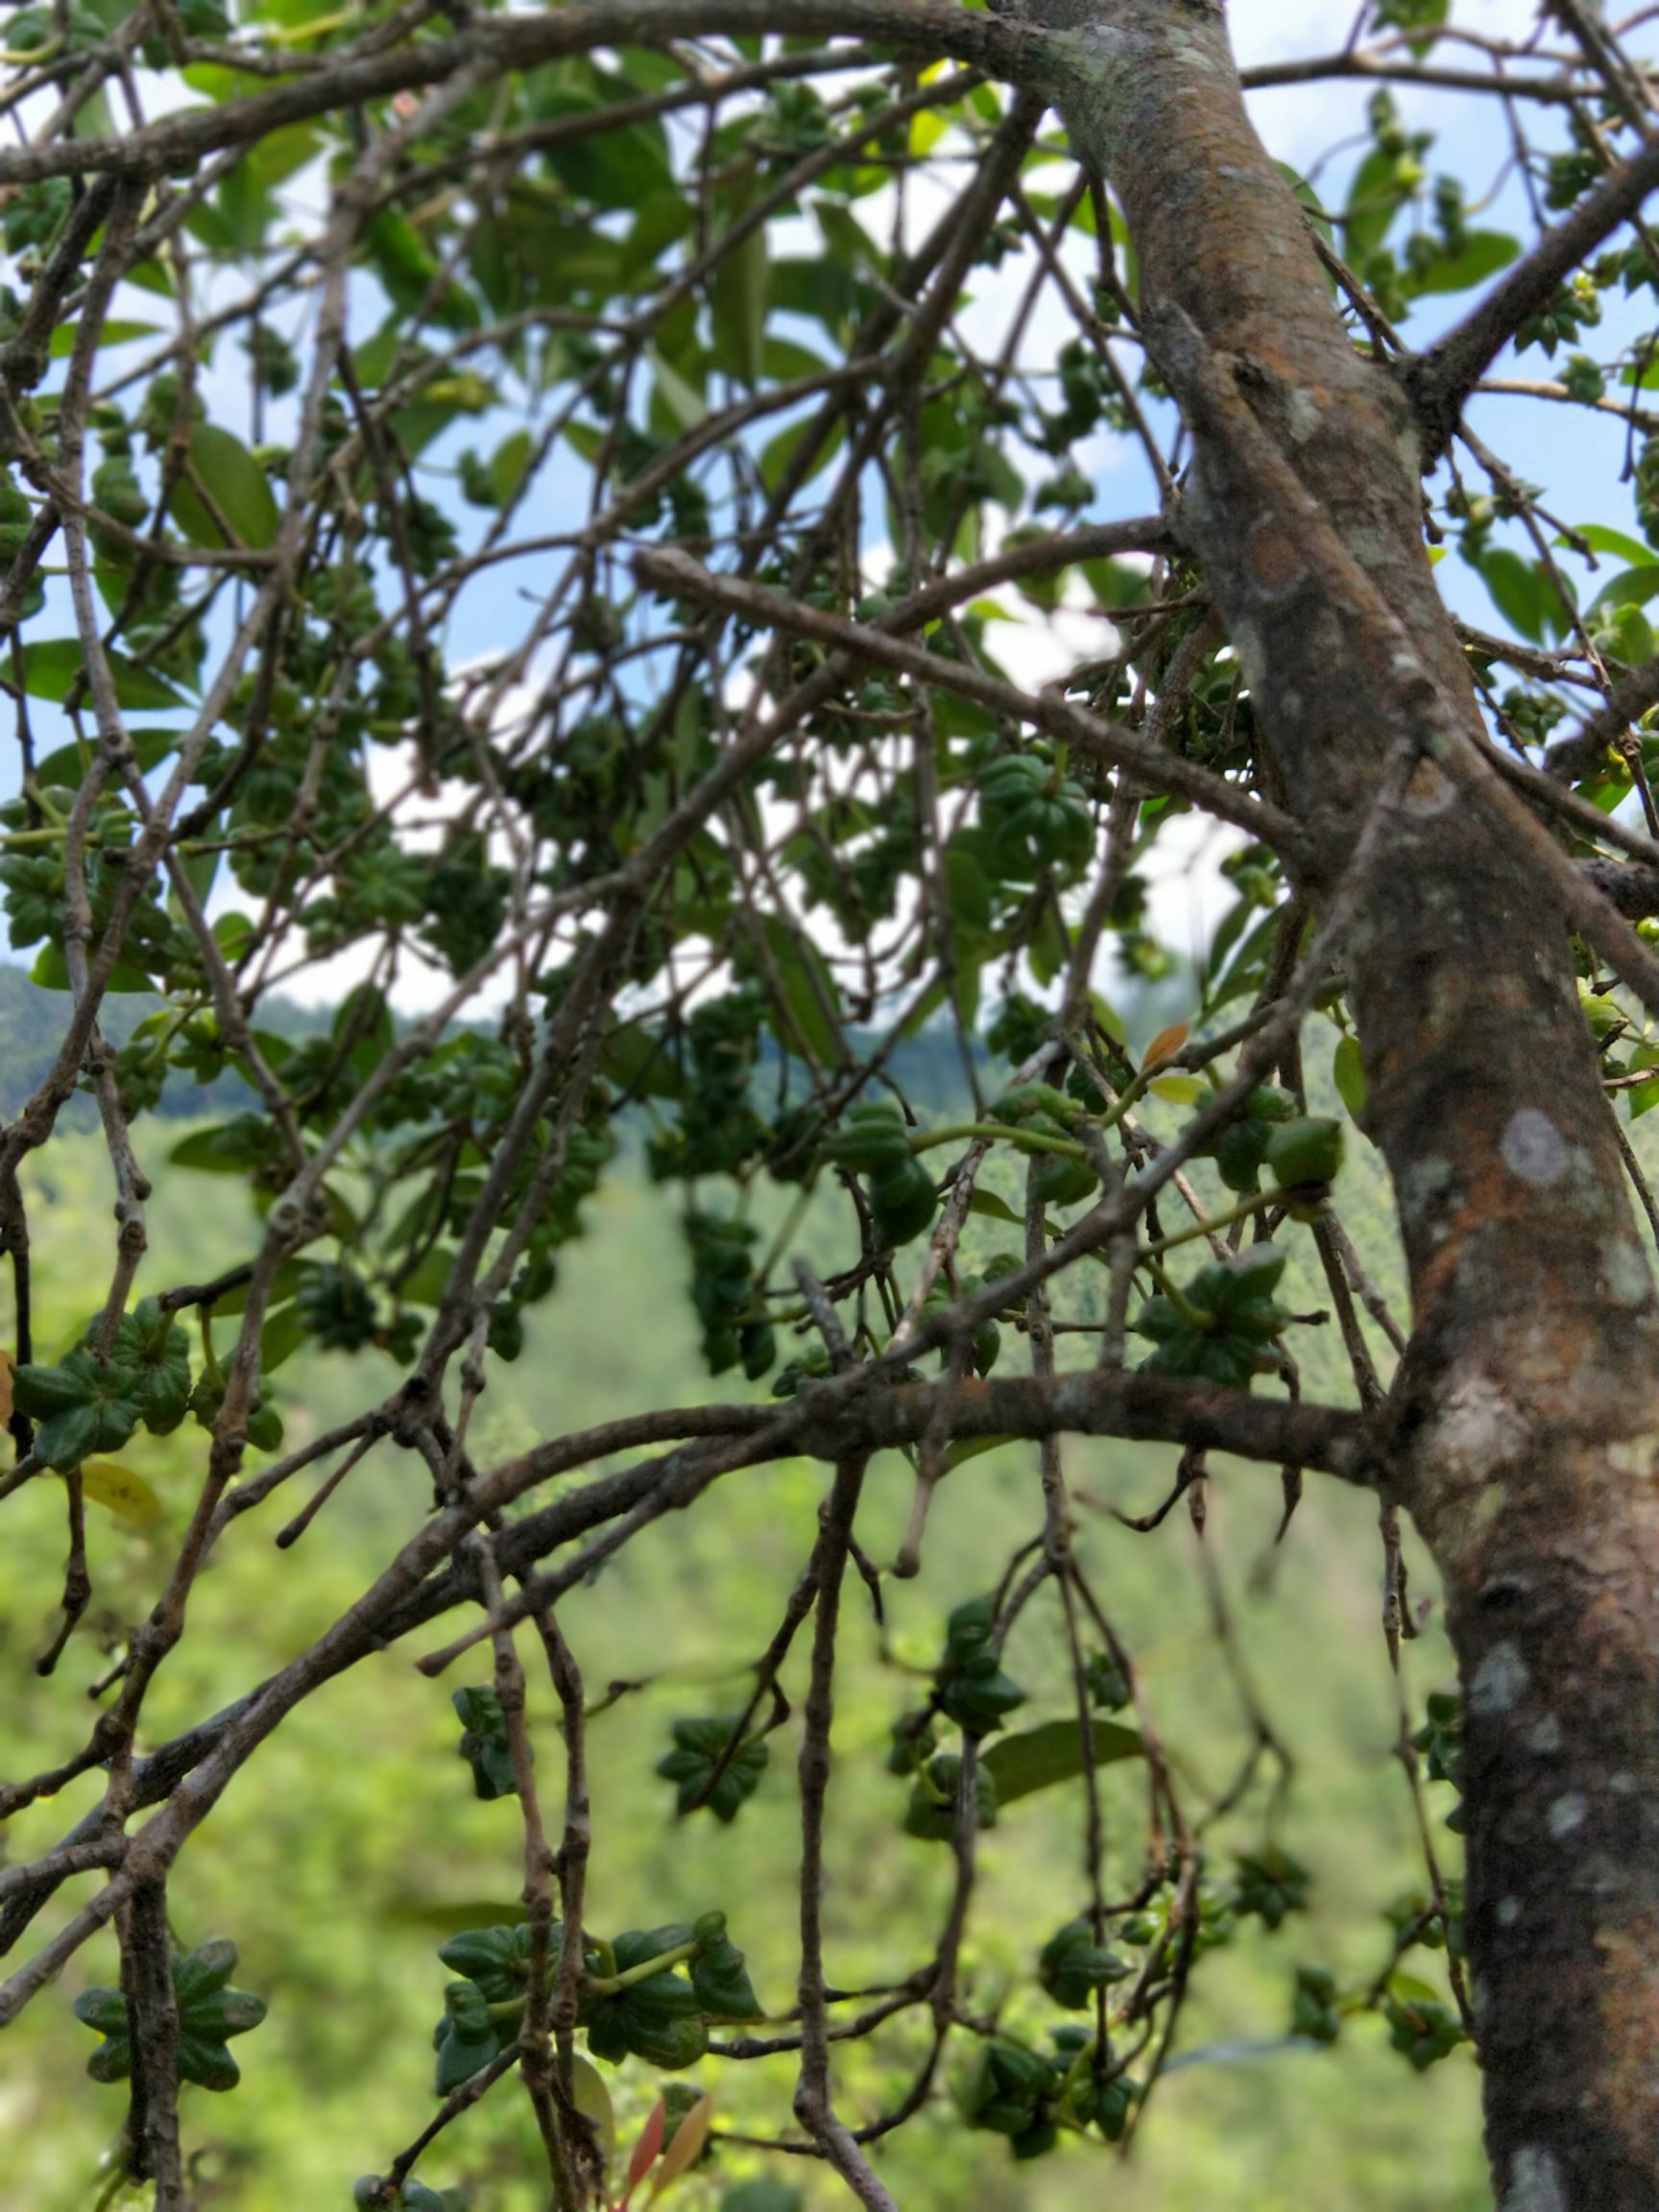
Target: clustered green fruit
x=1422 y=2030
x=210 y=2013
x=972 y=1690
x=1437 y=1922
x=337 y=1307
x=263 y=1423
x=90 y=1403
x=663 y=2017
x=1071 y=1966
x=1314 y=2013
x=660 y=2019
x=1240 y=1145
x=1169 y=1920
x=484 y=1742
x=874 y=1143
x=1302 y=1152
x=718 y=1130
x=1226 y=1318
x=985 y=1345
x=726 y=1297
x=915 y=1739
x=1109 y=1685
x=932 y=1812
x=698 y=1747
x=1039 y=1110
x=1011 y=2090
x=1440 y=1739
x=1270 y=1884
x=1038 y=818
x=797 y=1374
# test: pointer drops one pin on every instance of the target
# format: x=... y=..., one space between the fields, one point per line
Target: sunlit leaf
x=121 y=1491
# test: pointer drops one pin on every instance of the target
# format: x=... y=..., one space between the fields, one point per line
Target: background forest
x=327 y=1856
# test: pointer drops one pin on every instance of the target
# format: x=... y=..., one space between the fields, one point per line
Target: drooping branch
x=1441 y=380
x=673 y=571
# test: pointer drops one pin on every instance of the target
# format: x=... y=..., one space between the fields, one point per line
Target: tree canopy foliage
x=594 y=538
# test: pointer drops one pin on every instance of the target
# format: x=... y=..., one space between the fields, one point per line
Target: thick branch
x=1632 y=891
x=178 y=143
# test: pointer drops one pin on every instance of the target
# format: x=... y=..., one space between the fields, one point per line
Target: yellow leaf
x=689 y=2138
x=121 y=1491
x=1179 y=1089
x=593 y=2102
x=1165 y=1044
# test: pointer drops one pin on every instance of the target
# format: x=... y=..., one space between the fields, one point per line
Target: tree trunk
x=1528 y=1408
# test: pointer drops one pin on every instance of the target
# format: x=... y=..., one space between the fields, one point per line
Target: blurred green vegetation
x=332 y=1857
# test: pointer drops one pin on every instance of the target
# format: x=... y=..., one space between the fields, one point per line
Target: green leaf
x=1600 y=539
x=1482 y=255
x=402 y=260
x=637 y=1060
x=114 y=332
x=1179 y=1089
x=412 y=1910
x=739 y=291
x=1520 y=591
x=51 y=973
x=1310 y=200
x=809 y=988
x=284 y=1333
x=994 y=1208
x=1633 y=588
x=53 y=667
x=1037 y=1758
x=508 y=466
x=763 y=2195
x=1373 y=199
x=777 y=457
x=1348 y=1073
x=682 y=402
x=239 y=489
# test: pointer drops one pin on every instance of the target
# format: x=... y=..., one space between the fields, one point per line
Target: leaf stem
x=613 y=1985
x=1257 y=1203
x=996 y=1133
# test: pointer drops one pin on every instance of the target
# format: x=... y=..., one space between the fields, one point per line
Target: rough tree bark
x=1527 y=1413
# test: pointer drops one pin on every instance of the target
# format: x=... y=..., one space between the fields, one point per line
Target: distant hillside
x=32 y=1027
x=928 y=1066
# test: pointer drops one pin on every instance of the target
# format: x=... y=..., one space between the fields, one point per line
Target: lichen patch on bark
x=1534 y=2183
x=1534 y=1148
x=1501 y=1680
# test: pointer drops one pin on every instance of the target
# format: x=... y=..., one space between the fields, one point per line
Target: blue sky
x=1575 y=457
